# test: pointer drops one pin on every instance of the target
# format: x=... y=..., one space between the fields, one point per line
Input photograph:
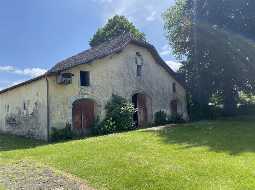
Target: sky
x=36 y=34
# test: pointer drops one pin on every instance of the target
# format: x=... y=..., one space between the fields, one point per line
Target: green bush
x=119 y=117
x=246 y=109
x=160 y=118
x=62 y=134
x=199 y=112
x=107 y=126
x=176 y=118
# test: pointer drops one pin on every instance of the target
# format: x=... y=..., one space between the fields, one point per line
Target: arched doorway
x=140 y=101
x=83 y=114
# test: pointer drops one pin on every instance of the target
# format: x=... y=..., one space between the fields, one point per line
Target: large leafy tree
x=115 y=26
x=216 y=39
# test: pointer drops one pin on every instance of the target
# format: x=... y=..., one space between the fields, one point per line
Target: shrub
x=105 y=127
x=62 y=134
x=119 y=117
x=246 y=109
x=176 y=118
x=200 y=112
x=160 y=118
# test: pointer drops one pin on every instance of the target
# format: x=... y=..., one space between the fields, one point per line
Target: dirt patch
x=29 y=176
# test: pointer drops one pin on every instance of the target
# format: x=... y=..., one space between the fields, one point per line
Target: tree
x=214 y=37
x=115 y=26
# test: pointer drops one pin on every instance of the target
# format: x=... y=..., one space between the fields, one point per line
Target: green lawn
x=204 y=155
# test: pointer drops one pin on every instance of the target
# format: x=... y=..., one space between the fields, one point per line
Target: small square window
x=84 y=78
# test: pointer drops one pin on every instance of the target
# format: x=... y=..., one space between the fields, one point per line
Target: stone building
x=76 y=90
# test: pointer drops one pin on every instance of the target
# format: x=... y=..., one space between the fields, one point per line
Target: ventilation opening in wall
x=65 y=78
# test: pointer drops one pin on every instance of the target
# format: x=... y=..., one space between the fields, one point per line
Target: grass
x=203 y=155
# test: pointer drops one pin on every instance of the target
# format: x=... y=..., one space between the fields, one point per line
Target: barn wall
x=23 y=110
x=115 y=74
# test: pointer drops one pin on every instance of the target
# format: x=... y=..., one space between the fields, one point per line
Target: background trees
x=215 y=38
x=115 y=26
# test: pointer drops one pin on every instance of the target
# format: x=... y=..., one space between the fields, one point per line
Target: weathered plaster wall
x=23 y=110
x=115 y=74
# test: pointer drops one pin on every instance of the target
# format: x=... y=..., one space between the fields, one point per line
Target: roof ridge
x=122 y=39
x=102 y=50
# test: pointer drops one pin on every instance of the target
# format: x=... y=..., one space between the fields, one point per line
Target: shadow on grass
x=10 y=142
x=231 y=136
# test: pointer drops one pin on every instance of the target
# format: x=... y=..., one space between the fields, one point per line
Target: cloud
x=174 y=65
x=7 y=84
x=152 y=16
x=31 y=72
x=165 y=50
x=137 y=11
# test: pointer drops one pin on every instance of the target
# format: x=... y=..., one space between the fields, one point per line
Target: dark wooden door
x=174 y=107
x=83 y=114
x=142 y=110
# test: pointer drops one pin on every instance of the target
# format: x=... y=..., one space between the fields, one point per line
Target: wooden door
x=142 y=110
x=83 y=113
x=174 y=107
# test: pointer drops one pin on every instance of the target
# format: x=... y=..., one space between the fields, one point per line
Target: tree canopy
x=115 y=26
x=215 y=38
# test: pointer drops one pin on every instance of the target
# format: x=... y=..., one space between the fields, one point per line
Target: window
x=139 y=70
x=139 y=64
x=24 y=106
x=85 y=78
x=174 y=87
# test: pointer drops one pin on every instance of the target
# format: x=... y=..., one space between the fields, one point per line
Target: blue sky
x=36 y=34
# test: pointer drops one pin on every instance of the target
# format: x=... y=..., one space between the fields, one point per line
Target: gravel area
x=29 y=176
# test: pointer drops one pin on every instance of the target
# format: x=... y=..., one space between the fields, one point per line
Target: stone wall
x=23 y=110
x=116 y=74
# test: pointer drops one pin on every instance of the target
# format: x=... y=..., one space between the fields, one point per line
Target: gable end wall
x=23 y=110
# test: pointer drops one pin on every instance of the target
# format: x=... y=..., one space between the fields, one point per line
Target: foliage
x=62 y=134
x=246 y=109
x=212 y=37
x=199 y=112
x=107 y=126
x=176 y=118
x=246 y=98
x=115 y=26
x=214 y=155
x=119 y=117
x=160 y=118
